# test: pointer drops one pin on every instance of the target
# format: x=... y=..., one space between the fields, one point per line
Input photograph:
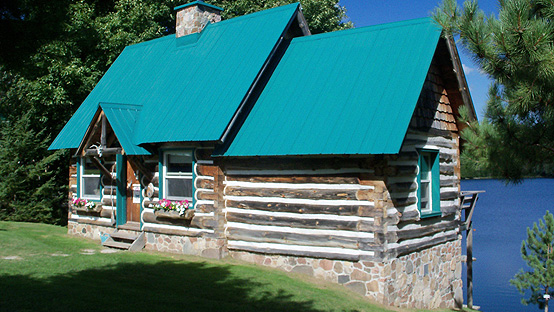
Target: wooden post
x=467 y=225
x=546 y=294
x=469 y=257
x=546 y=297
x=103 y=133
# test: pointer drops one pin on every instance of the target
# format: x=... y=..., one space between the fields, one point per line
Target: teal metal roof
x=189 y=87
x=346 y=92
x=122 y=118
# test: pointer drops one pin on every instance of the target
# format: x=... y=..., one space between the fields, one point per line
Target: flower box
x=172 y=214
x=96 y=208
x=84 y=205
x=174 y=209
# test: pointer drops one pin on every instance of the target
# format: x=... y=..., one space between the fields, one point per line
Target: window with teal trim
x=429 y=183
x=89 y=180
x=177 y=175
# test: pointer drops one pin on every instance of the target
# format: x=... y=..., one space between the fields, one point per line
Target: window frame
x=434 y=182
x=164 y=155
x=81 y=182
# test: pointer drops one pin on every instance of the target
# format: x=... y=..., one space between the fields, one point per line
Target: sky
x=372 y=12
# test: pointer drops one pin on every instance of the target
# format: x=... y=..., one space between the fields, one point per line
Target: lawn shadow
x=163 y=286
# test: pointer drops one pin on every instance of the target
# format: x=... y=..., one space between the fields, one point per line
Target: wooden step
x=131 y=226
x=127 y=241
x=124 y=236
x=118 y=245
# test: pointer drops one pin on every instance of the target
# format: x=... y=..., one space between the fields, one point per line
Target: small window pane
x=89 y=168
x=427 y=183
x=178 y=188
x=425 y=206
x=424 y=191
x=425 y=196
x=179 y=163
x=91 y=187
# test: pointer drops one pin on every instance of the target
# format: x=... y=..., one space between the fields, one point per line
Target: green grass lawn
x=43 y=269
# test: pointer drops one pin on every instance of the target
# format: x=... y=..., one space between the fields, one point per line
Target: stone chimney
x=193 y=17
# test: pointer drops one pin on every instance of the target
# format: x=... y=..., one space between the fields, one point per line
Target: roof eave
x=460 y=76
x=90 y=127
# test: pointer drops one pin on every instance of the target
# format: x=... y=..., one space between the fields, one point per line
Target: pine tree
x=30 y=187
x=537 y=253
x=516 y=50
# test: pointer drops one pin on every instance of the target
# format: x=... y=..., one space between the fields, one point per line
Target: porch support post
x=121 y=207
x=467 y=203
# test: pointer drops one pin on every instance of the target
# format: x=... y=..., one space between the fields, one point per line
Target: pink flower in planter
x=80 y=202
x=167 y=205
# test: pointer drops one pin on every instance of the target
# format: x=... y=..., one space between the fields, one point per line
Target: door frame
x=121 y=195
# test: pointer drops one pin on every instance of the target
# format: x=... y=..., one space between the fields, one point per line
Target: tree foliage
x=537 y=253
x=53 y=53
x=321 y=15
x=516 y=50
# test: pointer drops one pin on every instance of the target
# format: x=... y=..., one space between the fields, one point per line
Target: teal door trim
x=121 y=199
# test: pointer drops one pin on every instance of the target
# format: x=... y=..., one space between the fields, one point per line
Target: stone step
x=118 y=245
x=124 y=236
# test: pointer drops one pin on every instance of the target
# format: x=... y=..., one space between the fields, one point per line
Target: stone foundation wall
x=88 y=230
x=197 y=246
x=427 y=279
x=431 y=278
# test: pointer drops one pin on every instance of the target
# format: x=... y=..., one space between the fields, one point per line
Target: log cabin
x=334 y=155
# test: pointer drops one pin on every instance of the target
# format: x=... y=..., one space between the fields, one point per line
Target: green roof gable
x=346 y=92
x=189 y=88
x=123 y=118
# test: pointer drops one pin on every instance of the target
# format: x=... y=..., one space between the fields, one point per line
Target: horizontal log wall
x=302 y=207
x=433 y=126
x=109 y=191
x=72 y=186
x=72 y=179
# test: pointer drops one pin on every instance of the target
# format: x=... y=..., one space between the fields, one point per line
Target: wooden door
x=133 y=194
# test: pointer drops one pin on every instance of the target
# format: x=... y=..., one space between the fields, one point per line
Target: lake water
x=501 y=219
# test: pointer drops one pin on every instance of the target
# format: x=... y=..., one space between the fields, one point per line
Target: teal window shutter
x=78 y=178
x=160 y=175
x=428 y=180
x=436 y=186
x=121 y=201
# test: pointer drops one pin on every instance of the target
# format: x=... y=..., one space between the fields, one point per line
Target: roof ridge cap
x=258 y=13
x=377 y=27
x=223 y=22
x=119 y=105
x=151 y=41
